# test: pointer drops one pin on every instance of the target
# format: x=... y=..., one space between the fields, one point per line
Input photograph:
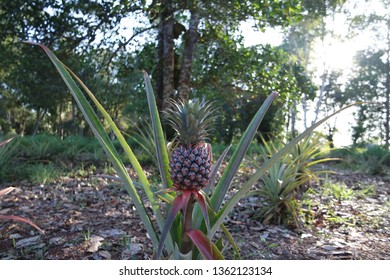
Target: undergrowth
x=44 y=158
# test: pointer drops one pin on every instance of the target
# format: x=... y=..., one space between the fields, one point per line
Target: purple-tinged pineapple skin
x=190 y=166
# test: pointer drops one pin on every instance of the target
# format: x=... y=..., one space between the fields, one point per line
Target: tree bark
x=191 y=37
x=40 y=115
x=387 y=121
x=293 y=119
x=165 y=65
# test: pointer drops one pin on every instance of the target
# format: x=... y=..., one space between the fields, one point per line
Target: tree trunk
x=387 y=121
x=320 y=98
x=40 y=115
x=304 y=108
x=74 y=125
x=165 y=64
x=293 y=119
x=330 y=135
x=191 y=37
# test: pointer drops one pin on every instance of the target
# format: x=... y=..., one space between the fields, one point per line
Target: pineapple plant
x=184 y=194
x=190 y=170
x=190 y=162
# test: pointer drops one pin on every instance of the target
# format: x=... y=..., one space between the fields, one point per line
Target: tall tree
x=368 y=84
x=191 y=21
x=334 y=98
x=372 y=79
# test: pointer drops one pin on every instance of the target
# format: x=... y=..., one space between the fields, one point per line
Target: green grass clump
x=371 y=159
x=8 y=152
x=42 y=173
x=41 y=147
x=337 y=190
x=44 y=158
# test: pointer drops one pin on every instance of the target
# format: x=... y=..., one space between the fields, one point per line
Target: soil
x=93 y=218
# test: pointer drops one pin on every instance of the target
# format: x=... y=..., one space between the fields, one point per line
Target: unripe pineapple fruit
x=190 y=161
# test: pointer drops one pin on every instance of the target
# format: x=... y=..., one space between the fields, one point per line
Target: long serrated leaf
x=180 y=202
x=104 y=140
x=201 y=199
x=161 y=149
x=198 y=217
x=221 y=214
x=5 y=191
x=230 y=238
x=208 y=249
x=239 y=153
x=5 y=142
x=214 y=171
x=133 y=159
x=130 y=188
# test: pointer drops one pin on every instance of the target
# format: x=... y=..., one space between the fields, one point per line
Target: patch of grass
x=126 y=242
x=268 y=244
x=43 y=158
x=87 y=234
x=84 y=149
x=8 y=153
x=337 y=190
x=307 y=204
x=42 y=173
x=40 y=147
x=365 y=191
x=371 y=159
x=333 y=218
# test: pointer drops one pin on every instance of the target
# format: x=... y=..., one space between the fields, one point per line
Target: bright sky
x=331 y=53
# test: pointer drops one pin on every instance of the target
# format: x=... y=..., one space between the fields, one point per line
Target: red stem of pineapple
x=187 y=244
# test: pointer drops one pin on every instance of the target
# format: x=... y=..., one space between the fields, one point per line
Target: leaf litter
x=93 y=218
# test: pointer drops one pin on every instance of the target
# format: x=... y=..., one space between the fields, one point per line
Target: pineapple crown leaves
x=191 y=120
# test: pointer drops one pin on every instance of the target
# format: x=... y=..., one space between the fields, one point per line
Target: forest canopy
x=191 y=49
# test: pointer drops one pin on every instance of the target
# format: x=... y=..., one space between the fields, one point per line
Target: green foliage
x=78 y=147
x=7 y=154
x=285 y=179
x=44 y=158
x=105 y=63
x=371 y=159
x=40 y=173
x=367 y=84
x=239 y=95
x=142 y=139
x=375 y=160
x=337 y=190
x=40 y=147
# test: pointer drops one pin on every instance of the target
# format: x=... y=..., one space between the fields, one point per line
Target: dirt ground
x=93 y=218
